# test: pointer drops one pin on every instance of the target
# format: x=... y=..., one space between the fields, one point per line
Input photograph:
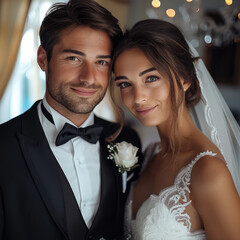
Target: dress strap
x=199 y=156
x=183 y=179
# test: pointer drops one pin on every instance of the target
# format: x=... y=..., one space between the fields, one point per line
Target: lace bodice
x=163 y=216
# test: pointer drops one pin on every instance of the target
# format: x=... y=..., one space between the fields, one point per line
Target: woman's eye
x=152 y=79
x=123 y=85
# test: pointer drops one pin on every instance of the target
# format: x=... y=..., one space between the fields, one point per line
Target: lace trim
x=174 y=199
x=179 y=200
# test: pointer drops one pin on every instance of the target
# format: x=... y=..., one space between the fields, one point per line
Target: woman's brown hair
x=166 y=48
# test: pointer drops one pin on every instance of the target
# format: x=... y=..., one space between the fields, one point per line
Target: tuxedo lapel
x=110 y=185
x=109 y=193
x=42 y=165
x=77 y=228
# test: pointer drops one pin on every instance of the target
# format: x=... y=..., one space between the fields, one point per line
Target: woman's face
x=144 y=91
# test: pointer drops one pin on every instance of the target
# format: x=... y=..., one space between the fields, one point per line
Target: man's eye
x=72 y=58
x=123 y=85
x=103 y=62
x=152 y=79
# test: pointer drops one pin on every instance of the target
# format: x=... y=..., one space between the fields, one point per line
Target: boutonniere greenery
x=124 y=155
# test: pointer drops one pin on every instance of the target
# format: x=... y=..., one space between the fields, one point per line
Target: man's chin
x=80 y=105
x=83 y=109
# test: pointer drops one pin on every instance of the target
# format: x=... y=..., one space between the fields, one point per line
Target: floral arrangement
x=124 y=155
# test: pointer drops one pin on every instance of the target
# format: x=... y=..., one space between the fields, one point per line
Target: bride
x=189 y=185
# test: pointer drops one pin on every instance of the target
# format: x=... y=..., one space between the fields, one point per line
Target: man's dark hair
x=76 y=13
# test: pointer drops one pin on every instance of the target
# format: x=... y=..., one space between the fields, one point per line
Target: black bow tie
x=90 y=134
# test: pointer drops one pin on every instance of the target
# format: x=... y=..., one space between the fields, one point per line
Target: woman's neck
x=184 y=131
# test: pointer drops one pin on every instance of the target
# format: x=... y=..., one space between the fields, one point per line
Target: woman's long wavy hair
x=166 y=48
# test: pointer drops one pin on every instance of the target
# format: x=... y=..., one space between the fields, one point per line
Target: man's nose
x=87 y=73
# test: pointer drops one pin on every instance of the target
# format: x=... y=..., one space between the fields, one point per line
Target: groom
x=56 y=181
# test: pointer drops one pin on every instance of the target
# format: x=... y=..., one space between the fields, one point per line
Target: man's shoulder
x=127 y=133
x=126 y=130
x=16 y=121
x=102 y=121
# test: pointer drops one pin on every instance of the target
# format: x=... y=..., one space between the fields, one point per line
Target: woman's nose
x=140 y=94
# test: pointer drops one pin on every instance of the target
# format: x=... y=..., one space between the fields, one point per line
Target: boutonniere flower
x=124 y=155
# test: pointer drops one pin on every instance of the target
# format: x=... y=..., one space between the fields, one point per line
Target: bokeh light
x=171 y=13
x=228 y=2
x=156 y=3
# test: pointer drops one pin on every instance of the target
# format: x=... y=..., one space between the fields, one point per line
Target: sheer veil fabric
x=215 y=120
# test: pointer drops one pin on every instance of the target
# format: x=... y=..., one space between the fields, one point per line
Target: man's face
x=78 y=72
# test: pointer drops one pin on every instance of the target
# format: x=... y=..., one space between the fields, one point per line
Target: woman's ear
x=42 y=58
x=185 y=85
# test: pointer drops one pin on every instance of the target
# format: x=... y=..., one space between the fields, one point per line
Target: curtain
x=13 y=15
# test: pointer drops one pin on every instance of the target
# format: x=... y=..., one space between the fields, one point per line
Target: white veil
x=216 y=121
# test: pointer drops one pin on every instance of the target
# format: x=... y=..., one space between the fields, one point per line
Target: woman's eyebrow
x=140 y=74
x=146 y=71
x=120 y=77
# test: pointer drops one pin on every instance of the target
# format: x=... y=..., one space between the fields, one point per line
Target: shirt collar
x=60 y=120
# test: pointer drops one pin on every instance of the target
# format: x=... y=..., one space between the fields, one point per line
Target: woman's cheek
x=126 y=98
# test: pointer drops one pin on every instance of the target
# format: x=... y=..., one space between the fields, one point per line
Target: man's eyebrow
x=73 y=51
x=104 y=56
x=146 y=71
x=83 y=54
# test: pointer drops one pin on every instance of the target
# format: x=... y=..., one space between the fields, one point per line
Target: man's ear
x=42 y=58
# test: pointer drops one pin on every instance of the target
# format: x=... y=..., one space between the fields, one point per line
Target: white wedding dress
x=163 y=216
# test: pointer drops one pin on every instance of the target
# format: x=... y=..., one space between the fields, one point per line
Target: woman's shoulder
x=210 y=175
x=207 y=158
x=208 y=165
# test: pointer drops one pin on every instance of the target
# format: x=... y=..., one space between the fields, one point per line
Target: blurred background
x=213 y=28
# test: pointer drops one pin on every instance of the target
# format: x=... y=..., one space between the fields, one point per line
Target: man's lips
x=145 y=110
x=84 y=91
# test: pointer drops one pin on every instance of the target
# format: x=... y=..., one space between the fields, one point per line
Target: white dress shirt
x=79 y=160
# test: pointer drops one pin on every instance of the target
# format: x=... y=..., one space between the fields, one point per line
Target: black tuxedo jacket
x=32 y=205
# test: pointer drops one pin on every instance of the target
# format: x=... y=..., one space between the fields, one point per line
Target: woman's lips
x=145 y=110
x=84 y=92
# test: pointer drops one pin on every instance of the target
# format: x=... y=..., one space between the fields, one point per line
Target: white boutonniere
x=124 y=155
